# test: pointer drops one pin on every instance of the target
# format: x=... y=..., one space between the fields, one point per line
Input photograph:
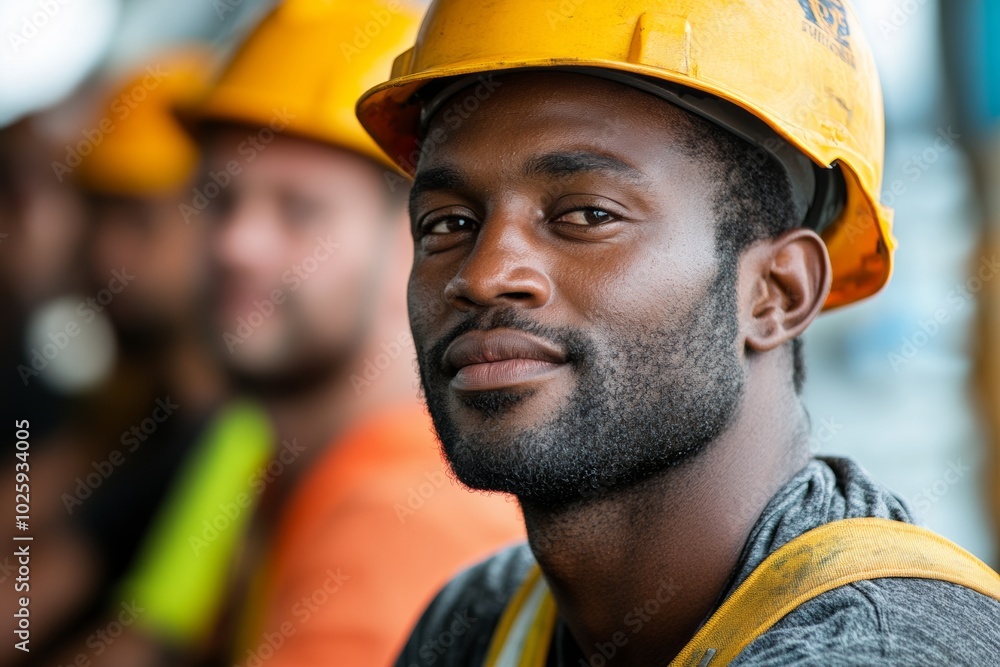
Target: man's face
x=294 y=241
x=576 y=329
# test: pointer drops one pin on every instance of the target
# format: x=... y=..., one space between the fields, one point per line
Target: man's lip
x=496 y=375
x=496 y=345
x=485 y=360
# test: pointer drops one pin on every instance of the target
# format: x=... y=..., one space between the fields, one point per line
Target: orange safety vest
x=819 y=560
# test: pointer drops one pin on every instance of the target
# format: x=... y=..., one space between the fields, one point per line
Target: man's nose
x=245 y=238
x=506 y=267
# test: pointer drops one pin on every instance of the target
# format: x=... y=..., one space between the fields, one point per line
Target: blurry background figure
x=310 y=252
x=155 y=421
x=41 y=228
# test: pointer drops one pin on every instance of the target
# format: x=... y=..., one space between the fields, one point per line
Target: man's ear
x=788 y=279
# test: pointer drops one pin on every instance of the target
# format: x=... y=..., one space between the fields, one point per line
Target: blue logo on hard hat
x=829 y=15
x=826 y=22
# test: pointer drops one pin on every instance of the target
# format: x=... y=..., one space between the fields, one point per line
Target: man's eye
x=450 y=225
x=586 y=217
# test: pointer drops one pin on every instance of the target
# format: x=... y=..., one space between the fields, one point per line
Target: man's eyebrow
x=436 y=178
x=561 y=165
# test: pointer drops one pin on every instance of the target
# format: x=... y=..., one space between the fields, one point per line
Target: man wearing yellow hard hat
x=624 y=214
x=358 y=523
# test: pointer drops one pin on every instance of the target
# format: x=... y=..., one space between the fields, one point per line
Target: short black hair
x=753 y=201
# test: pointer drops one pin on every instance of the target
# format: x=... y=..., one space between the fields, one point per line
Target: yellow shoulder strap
x=832 y=555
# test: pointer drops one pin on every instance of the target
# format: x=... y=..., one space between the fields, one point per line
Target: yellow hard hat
x=309 y=60
x=137 y=146
x=776 y=72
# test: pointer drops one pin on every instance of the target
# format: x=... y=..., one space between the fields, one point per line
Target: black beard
x=647 y=400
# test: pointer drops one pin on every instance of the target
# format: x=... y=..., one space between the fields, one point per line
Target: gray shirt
x=889 y=621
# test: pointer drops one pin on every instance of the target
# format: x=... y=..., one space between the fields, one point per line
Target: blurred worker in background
x=308 y=252
x=158 y=424
x=624 y=215
x=42 y=226
x=41 y=229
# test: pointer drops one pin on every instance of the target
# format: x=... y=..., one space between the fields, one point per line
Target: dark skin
x=616 y=235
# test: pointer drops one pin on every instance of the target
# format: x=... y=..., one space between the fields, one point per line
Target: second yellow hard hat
x=137 y=146
x=307 y=63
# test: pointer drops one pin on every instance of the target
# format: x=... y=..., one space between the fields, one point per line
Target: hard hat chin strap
x=818 y=193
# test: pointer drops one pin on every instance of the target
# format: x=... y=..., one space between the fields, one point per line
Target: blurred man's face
x=146 y=238
x=576 y=328
x=295 y=239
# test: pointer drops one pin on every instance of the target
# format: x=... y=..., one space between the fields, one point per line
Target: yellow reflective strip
x=513 y=652
x=179 y=577
x=832 y=555
x=536 y=645
x=509 y=615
